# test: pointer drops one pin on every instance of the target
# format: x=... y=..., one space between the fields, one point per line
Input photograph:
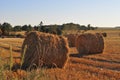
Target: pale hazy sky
x=101 y=13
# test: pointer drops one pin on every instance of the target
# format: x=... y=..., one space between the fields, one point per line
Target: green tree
x=0 y=32
x=17 y=28
x=82 y=27
x=88 y=26
x=6 y=28
x=53 y=29
x=70 y=26
x=26 y=28
x=40 y=26
x=59 y=31
x=35 y=28
x=30 y=28
x=0 y=26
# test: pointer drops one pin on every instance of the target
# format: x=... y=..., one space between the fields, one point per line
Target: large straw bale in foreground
x=90 y=43
x=45 y=49
x=71 y=39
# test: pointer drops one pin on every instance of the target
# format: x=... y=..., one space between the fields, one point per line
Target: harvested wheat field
x=105 y=66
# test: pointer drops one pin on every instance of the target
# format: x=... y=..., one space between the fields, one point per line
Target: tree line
x=5 y=28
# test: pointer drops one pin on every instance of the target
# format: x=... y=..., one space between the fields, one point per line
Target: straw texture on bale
x=45 y=49
x=90 y=43
x=71 y=39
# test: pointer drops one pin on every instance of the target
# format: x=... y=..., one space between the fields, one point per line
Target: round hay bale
x=104 y=34
x=71 y=39
x=90 y=43
x=45 y=49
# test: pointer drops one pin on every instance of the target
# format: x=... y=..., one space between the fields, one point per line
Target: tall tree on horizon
x=40 y=26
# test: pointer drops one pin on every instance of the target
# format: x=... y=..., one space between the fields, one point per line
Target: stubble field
x=105 y=66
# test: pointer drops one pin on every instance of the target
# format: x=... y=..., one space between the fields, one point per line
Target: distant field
x=104 y=66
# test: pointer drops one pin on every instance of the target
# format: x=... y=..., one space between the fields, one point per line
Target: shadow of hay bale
x=81 y=55
x=76 y=55
x=16 y=67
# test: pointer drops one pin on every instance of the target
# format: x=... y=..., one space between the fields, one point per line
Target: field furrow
x=96 y=71
x=102 y=59
x=98 y=64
